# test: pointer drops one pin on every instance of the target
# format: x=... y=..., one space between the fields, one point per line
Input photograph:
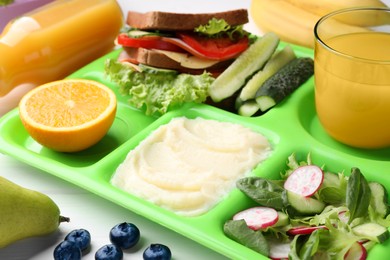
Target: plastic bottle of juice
x=53 y=41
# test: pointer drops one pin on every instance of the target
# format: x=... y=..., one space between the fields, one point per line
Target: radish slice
x=304 y=230
x=305 y=180
x=258 y=217
x=343 y=216
x=279 y=250
x=356 y=252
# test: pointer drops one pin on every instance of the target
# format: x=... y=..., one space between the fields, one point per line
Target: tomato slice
x=215 y=48
x=147 y=42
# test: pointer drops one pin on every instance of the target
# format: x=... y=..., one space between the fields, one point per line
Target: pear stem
x=63 y=219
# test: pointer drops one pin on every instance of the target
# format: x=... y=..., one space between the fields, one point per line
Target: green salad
x=311 y=213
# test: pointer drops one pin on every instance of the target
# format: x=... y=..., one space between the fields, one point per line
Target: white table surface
x=90 y=211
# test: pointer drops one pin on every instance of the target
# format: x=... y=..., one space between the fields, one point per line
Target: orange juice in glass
x=352 y=76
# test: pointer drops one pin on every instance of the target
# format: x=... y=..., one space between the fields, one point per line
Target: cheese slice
x=188 y=61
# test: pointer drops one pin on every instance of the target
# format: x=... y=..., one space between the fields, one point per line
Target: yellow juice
x=51 y=42
x=352 y=91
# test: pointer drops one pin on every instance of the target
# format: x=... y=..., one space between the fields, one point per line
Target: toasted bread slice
x=158 y=59
x=167 y=21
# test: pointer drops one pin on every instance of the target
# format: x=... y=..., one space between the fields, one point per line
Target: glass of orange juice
x=352 y=76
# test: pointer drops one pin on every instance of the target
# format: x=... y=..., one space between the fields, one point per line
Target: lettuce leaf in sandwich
x=157 y=92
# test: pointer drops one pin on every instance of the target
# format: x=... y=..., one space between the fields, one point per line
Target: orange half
x=68 y=115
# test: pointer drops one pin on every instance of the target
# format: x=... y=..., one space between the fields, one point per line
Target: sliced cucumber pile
x=249 y=62
x=263 y=74
x=278 y=60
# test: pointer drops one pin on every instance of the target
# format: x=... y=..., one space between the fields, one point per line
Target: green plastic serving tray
x=292 y=127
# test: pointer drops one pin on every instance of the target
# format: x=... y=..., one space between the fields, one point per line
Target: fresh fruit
x=124 y=235
x=68 y=115
x=305 y=180
x=81 y=237
x=290 y=22
x=25 y=213
x=323 y=7
x=109 y=252
x=157 y=252
x=67 y=250
x=258 y=217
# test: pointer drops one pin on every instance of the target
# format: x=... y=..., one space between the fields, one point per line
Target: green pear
x=25 y=213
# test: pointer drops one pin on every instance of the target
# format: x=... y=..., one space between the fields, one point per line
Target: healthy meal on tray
x=210 y=130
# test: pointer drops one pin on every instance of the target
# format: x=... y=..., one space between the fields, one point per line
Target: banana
x=291 y=23
x=323 y=7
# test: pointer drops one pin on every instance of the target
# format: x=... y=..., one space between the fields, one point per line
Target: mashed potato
x=189 y=165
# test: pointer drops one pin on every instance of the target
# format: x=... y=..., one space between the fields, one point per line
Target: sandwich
x=188 y=43
x=168 y=59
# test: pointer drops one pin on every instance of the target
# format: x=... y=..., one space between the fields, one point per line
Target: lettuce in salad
x=156 y=90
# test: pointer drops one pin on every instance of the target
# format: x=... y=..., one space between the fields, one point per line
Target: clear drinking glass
x=352 y=76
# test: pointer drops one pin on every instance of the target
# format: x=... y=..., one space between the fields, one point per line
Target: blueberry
x=125 y=235
x=157 y=252
x=109 y=252
x=67 y=250
x=81 y=237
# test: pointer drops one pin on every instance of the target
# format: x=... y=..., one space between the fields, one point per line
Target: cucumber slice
x=238 y=103
x=284 y=82
x=283 y=220
x=379 y=200
x=250 y=61
x=248 y=108
x=301 y=205
x=331 y=179
x=372 y=231
x=154 y=70
x=134 y=33
x=265 y=102
x=277 y=61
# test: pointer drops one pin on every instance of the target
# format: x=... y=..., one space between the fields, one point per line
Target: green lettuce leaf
x=157 y=91
x=358 y=195
x=239 y=232
x=265 y=192
x=218 y=27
